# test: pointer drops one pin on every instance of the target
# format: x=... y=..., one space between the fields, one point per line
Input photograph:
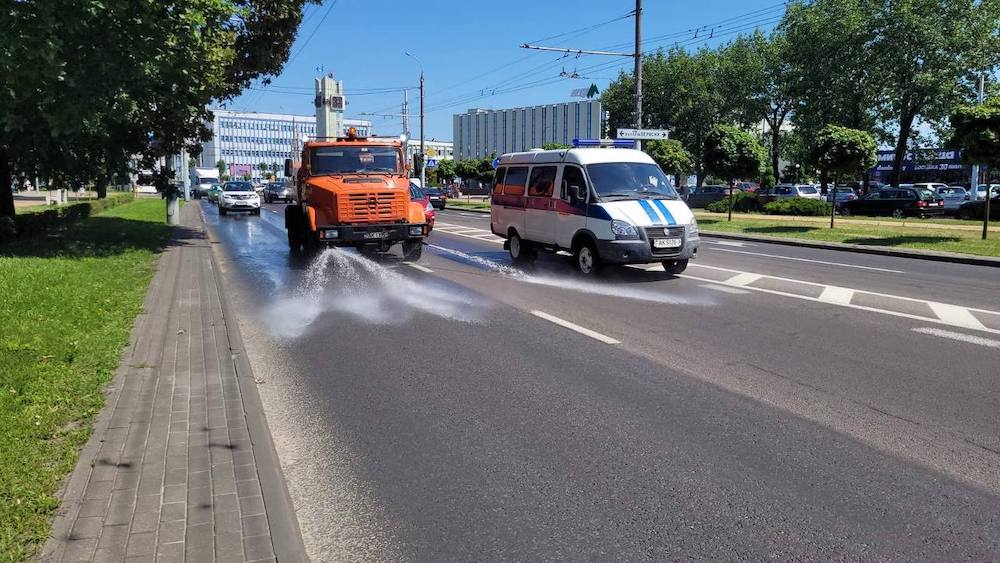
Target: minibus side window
x=543 y=181
x=498 y=180
x=572 y=176
x=513 y=184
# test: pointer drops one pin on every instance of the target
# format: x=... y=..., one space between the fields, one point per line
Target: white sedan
x=239 y=196
x=954 y=197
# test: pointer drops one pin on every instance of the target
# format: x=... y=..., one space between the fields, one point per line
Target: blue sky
x=470 y=51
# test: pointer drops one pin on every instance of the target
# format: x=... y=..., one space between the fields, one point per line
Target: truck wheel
x=293 y=224
x=675 y=267
x=412 y=250
x=520 y=250
x=587 y=260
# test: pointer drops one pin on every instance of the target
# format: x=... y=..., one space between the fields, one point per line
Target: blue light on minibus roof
x=614 y=143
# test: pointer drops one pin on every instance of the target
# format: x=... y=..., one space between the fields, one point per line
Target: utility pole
x=636 y=54
x=974 y=185
x=406 y=124
x=423 y=159
x=638 y=69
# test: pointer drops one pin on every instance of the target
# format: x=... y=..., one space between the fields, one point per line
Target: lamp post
x=798 y=179
x=423 y=161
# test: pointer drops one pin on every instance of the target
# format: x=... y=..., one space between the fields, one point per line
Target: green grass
x=946 y=221
x=966 y=242
x=462 y=204
x=67 y=308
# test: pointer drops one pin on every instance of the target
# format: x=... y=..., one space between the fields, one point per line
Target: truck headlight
x=693 y=228
x=416 y=231
x=623 y=230
x=330 y=233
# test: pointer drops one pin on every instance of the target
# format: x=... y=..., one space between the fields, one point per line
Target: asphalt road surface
x=772 y=402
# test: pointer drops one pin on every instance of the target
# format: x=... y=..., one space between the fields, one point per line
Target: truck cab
x=354 y=192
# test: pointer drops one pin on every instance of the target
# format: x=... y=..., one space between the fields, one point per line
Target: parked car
x=981 y=191
x=238 y=196
x=975 y=209
x=787 y=191
x=843 y=194
x=213 y=193
x=277 y=190
x=437 y=197
x=896 y=202
x=417 y=194
x=954 y=197
x=747 y=186
x=704 y=195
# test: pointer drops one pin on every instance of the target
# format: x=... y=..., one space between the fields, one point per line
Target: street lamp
x=423 y=160
x=798 y=179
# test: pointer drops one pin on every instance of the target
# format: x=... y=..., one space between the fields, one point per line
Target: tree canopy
x=842 y=151
x=732 y=153
x=671 y=156
x=976 y=131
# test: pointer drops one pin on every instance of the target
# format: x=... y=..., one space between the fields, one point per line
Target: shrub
x=798 y=206
x=743 y=202
x=41 y=222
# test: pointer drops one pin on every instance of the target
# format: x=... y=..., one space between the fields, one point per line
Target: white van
x=605 y=205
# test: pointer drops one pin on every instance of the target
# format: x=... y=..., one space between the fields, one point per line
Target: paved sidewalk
x=181 y=465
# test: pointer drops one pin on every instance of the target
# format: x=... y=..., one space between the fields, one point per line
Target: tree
x=445 y=171
x=671 y=156
x=485 y=169
x=759 y=64
x=221 y=165
x=732 y=153
x=467 y=169
x=78 y=101
x=977 y=134
x=842 y=151
x=930 y=53
x=554 y=146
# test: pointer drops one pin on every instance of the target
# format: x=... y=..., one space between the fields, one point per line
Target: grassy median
x=944 y=240
x=68 y=303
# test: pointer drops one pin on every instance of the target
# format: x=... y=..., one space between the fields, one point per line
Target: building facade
x=481 y=132
x=436 y=150
x=245 y=140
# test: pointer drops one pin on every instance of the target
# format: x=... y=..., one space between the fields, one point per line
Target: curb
x=486 y=211
x=286 y=537
x=862 y=249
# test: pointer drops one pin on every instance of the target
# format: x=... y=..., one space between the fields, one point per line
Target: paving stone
x=85 y=528
x=257 y=547
x=141 y=545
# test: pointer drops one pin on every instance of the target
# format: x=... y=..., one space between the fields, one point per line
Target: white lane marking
x=416 y=266
x=575 y=327
x=822 y=285
x=971 y=339
x=744 y=278
x=460 y=231
x=725 y=289
x=465 y=231
x=728 y=243
x=837 y=295
x=958 y=316
x=476 y=215
x=812 y=261
x=848 y=305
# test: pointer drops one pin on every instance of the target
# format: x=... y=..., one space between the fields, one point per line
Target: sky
x=470 y=54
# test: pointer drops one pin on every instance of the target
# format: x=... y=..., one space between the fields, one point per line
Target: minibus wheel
x=675 y=266
x=587 y=260
x=520 y=251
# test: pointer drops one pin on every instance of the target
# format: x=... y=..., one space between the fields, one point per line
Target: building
x=923 y=165
x=330 y=105
x=481 y=132
x=245 y=140
x=436 y=150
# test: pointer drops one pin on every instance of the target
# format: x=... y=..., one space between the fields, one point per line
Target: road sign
x=431 y=152
x=643 y=134
x=496 y=163
x=431 y=163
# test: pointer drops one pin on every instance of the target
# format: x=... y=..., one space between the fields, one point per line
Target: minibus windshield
x=630 y=180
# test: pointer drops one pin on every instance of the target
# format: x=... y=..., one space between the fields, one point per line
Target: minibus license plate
x=376 y=234
x=666 y=242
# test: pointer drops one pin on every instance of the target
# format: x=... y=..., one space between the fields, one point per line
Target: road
x=772 y=402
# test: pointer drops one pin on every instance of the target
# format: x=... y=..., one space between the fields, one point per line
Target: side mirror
x=288 y=168
x=576 y=194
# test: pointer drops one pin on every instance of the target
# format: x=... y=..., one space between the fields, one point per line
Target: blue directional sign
x=431 y=163
x=496 y=163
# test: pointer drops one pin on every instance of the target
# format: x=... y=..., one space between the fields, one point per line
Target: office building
x=245 y=140
x=480 y=132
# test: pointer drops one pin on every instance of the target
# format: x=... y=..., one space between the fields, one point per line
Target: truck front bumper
x=358 y=235
x=641 y=252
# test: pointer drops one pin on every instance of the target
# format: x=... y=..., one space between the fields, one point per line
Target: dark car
x=704 y=195
x=897 y=202
x=437 y=197
x=277 y=190
x=975 y=209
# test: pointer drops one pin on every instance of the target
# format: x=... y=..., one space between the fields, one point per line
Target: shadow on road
x=900 y=240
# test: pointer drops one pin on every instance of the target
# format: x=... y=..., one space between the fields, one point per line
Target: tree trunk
x=824 y=181
x=101 y=187
x=6 y=192
x=775 y=139
x=905 y=126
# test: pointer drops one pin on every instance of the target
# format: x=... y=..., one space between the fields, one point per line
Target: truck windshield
x=630 y=180
x=348 y=160
x=204 y=181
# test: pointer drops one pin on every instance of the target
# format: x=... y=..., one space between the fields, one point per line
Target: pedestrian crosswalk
x=467 y=232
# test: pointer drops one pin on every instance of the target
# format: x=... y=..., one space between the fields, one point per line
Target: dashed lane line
x=575 y=327
x=961 y=337
x=725 y=289
x=955 y=315
x=416 y=266
x=837 y=295
x=744 y=278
